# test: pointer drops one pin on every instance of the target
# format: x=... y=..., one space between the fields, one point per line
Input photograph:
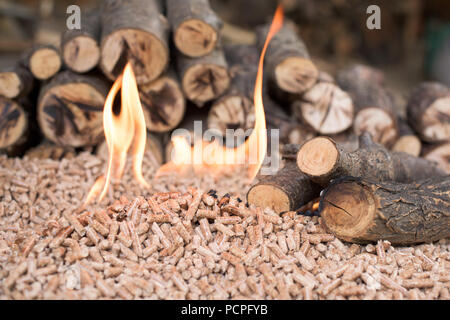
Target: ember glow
x=122 y=131
x=214 y=157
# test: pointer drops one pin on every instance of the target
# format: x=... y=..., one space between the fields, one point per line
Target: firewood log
x=14 y=125
x=16 y=81
x=43 y=61
x=204 y=78
x=362 y=211
x=288 y=64
x=326 y=108
x=163 y=103
x=439 y=153
x=70 y=109
x=235 y=109
x=80 y=47
x=428 y=112
x=322 y=160
x=374 y=109
x=195 y=26
x=287 y=190
x=134 y=31
x=407 y=141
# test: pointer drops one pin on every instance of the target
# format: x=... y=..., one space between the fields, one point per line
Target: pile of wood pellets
x=178 y=242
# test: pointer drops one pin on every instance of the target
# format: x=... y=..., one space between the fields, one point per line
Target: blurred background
x=412 y=45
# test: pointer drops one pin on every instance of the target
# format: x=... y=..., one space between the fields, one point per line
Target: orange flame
x=211 y=155
x=121 y=131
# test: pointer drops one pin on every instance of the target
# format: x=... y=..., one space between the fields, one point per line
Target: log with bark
x=428 y=112
x=439 y=153
x=204 y=78
x=235 y=109
x=134 y=31
x=287 y=61
x=80 y=48
x=43 y=61
x=325 y=108
x=163 y=103
x=323 y=160
x=14 y=125
x=195 y=26
x=16 y=81
x=287 y=190
x=362 y=211
x=374 y=105
x=407 y=142
x=70 y=109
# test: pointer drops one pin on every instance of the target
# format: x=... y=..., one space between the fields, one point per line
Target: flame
x=122 y=131
x=215 y=158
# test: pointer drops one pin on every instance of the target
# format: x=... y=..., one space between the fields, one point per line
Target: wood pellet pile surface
x=186 y=238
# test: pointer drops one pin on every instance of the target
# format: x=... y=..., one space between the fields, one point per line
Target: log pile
x=181 y=64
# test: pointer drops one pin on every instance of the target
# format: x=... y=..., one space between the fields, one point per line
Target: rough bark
x=43 y=61
x=374 y=106
x=16 y=82
x=440 y=154
x=288 y=64
x=287 y=190
x=325 y=108
x=407 y=141
x=80 y=47
x=163 y=103
x=204 y=78
x=134 y=31
x=195 y=26
x=360 y=210
x=70 y=109
x=428 y=112
x=323 y=160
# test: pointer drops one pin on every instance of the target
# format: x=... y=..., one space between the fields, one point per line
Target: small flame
x=121 y=132
x=215 y=158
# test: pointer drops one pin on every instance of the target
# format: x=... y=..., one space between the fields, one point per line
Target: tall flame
x=122 y=130
x=254 y=149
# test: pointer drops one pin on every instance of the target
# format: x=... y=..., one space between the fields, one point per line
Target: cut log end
x=409 y=144
x=436 y=121
x=347 y=210
x=147 y=54
x=44 y=63
x=10 y=84
x=204 y=82
x=268 y=196
x=296 y=74
x=13 y=123
x=231 y=112
x=71 y=114
x=81 y=54
x=195 y=38
x=163 y=104
x=326 y=108
x=379 y=123
x=318 y=157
